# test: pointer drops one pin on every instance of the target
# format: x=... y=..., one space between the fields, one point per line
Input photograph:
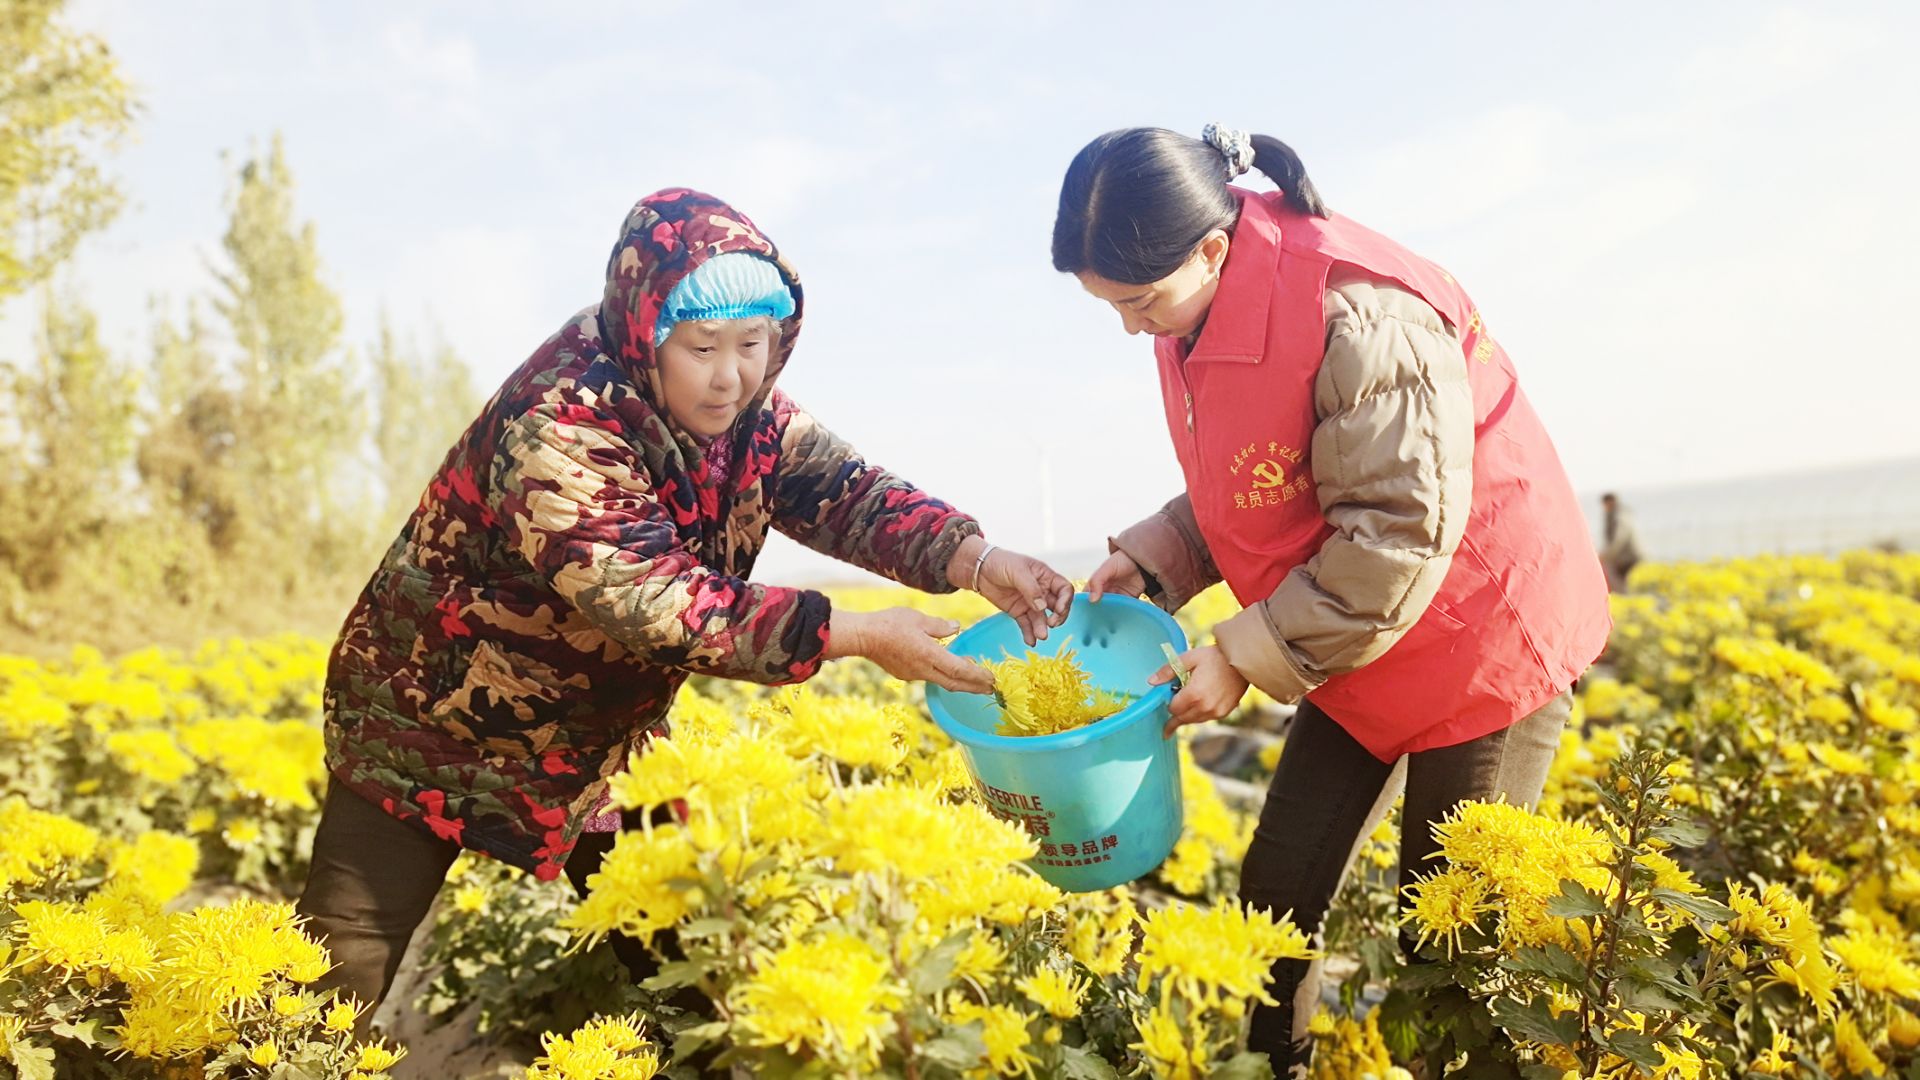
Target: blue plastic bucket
x=1103 y=801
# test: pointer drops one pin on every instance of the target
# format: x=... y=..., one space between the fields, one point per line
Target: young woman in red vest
x=1364 y=472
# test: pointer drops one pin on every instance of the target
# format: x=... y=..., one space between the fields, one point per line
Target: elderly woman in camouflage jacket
x=583 y=549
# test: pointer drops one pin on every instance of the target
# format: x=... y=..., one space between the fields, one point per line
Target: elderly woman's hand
x=907 y=645
x=1032 y=592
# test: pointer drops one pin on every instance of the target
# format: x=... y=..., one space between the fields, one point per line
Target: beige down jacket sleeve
x=1393 y=466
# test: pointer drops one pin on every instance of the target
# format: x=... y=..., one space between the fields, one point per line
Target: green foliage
x=422 y=404
x=498 y=949
x=64 y=490
x=150 y=496
x=63 y=103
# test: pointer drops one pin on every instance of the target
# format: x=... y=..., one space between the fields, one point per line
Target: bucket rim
x=1141 y=707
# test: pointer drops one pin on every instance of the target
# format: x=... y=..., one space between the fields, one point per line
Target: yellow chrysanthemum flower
x=1447 y=902
x=1175 y=1051
x=1776 y=918
x=833 y=995
x=156 y=865
x=1004 y=1030
x=340 y=1017
x=39 y=842
x=1204 y=954
x=1344 y=1048
x=470 y=899
x=1878 y=961
x=1187 y=868
x=634 y=891
x=1045 y=695
x=1058 y=992
x=980 y=958
x=1777 y=1059
x=856 y=731
x=373 y=1057
x=1855 y=1052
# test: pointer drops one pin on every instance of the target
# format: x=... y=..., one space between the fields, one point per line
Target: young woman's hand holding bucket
x=1213 y=687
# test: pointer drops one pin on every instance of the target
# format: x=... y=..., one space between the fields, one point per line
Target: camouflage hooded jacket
x=575 y=559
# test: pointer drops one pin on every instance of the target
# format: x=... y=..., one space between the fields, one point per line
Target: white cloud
x=1681 y=278
x=1785 y=51
x=773 y=176
x=1444 y=177
x=443 y=58
x=480 y=286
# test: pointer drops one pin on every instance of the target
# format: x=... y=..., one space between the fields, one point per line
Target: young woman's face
x=1174 y=306
x=711 y=370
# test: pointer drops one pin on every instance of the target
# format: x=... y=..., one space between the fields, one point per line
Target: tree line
x=240 y=476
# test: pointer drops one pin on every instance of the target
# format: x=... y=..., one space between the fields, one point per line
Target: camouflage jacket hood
x=667 y=236
x=575 y=558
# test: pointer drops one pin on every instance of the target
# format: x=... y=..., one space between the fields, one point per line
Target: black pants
x=372 y=881
x=1328 y=794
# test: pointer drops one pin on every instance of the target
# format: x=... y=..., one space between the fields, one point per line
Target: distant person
x=1364 y=471
x=1619 y=542
x=584 y=549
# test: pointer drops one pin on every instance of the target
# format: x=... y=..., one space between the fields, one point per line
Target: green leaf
x=700 y=928
x=764 y=864
x=1654 y=968
x=1418 y=977
x=1699 y=906
x=31 y=1060
x=690 y=1041
x=1576 y=901
x=1550 y=960
x=935 y=968
x=1681 y=832
x=677 y=974
x=1635 y=1047
x=1682 y=991
x=87 y=1033
x=1642 y=996
x=1543 y=1072
x=773 y=1063
x=1379 y=954
x=1248 y=1066
x=1532 y=1020
x=1078 y=1064
x=1496 y=1064
x=960 y=1049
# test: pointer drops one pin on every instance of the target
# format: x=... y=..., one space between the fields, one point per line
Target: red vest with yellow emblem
x=1523 y=609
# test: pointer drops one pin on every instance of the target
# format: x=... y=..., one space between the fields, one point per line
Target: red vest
x=1523 y=609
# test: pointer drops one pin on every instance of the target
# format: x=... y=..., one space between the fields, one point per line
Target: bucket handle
x=1180 y=672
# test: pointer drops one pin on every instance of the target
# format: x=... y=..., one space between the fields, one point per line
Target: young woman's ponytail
x=1277 y=161
x=1136 y=202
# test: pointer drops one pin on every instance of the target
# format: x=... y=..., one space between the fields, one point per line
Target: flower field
x=1723 y=880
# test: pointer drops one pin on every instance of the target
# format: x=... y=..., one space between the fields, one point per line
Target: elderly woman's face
x=710 y=370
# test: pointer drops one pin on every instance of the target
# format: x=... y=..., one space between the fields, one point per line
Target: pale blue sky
x=1691 y=224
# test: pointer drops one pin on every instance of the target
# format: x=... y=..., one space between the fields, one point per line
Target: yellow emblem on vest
x=1267 y=482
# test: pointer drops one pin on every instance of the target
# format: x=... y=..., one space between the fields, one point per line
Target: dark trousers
x=1328 y=794
x=372 y=881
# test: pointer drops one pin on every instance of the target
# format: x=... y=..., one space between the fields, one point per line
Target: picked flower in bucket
x=1046 y=695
